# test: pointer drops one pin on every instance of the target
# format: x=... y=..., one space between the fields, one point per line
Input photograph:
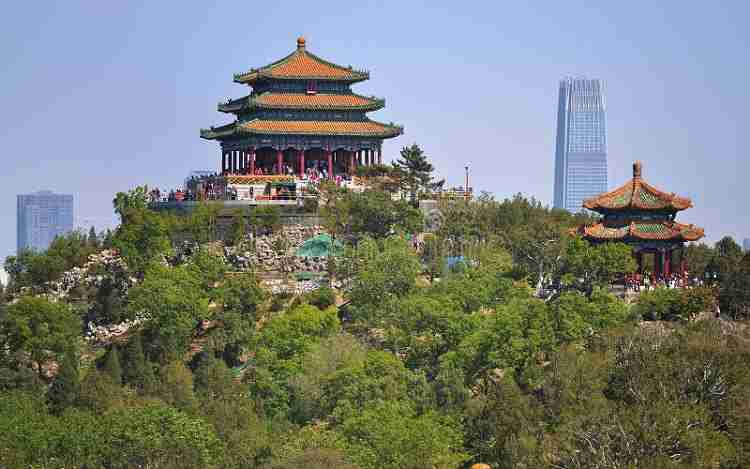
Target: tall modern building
x=41 y=217
x=581 y=146
x=746 y=244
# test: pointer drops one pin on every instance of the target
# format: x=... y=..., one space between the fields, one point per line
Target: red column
x=329 y=157
x=667 y=262
x=223 y=162
x=380 y=156
x=352 y=164
x=302 y=163
x=279 y=160
x=252 y=160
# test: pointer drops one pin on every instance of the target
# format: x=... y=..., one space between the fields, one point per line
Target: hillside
x=494 y=339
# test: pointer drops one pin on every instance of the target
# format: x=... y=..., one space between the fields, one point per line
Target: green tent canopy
x=319 y=246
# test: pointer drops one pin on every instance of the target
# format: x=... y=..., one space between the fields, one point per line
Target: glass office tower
x=41 y=217
x=581 y=146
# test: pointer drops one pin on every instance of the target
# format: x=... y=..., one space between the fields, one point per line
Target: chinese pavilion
x=643 y=217
x=300 y=115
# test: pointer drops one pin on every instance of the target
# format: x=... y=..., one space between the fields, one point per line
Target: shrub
x=665 y=304
x=322 y=298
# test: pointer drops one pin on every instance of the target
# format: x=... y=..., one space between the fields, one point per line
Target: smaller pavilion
x=643 y=216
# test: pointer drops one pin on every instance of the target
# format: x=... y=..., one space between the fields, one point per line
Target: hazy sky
x=97 y=97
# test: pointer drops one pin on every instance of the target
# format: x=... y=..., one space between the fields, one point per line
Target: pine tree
x=112 y=365
x=136 y=370
x=66 y=386
x=93 y=239
x=416 y=172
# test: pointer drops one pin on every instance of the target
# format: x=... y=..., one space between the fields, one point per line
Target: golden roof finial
x=637 y=169
x=301 y=42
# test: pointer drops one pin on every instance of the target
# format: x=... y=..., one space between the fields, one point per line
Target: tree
x=315 y=458
x=66 y=386
x=382 y=274
x=376 y=214
x=156 y=436
x=99 y=392
x=238 y=229
x=141 y=238
x=111 y=365
x=40 y=328
x=202 y=222
x=137 y=371
x=93 y=239
x=176 y=386
x=390 y=435
x=265 y=219
x=174 y=300
x=240 y=297
x=416 y=172
x=734 y=294
x=131 y=202
x=698 y=258
x=727 y=258
x=208 y=268
x=279 y=346
x=585 y=266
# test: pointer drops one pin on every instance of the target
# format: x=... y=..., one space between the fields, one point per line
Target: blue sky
x=98 y=97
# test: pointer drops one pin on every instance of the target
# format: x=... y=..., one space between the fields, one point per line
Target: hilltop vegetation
x=514 y=354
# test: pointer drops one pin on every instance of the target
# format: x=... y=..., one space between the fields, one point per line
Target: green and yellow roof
x=637 y=195
x=641 y=230
x=302 y=65
x=317 y=101
x=365 y=128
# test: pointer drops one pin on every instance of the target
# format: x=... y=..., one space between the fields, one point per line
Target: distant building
x=746 y=244
x=41 y=217
x=581 y=144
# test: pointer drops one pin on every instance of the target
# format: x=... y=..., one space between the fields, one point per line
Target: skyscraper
x=41 y=217
x=746 y=244
x=581 y=146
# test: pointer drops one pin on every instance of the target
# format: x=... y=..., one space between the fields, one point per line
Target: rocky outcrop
x=106 y=264
x=276 y=252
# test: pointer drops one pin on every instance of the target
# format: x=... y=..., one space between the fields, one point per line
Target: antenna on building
x=466 y=187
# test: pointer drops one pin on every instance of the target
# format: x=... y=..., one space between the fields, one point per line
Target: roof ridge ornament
x=637 y=169
x=301 y=43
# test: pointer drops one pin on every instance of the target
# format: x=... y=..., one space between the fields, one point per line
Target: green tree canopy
x=415 y=172
x=173 y=299
x=39 y=328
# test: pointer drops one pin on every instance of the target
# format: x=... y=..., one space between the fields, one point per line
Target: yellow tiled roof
x=361 y=128
x=639 y=195
x=301 y=64
x=643 y=230
x=318 y=101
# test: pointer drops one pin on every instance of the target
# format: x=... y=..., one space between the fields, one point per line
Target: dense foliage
x=498 y=341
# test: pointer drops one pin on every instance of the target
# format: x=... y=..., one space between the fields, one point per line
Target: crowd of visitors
x=644 y=282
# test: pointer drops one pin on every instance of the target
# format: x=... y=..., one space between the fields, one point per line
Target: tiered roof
x=256 y=112
x=638 y=211
x=302 y=65
x=365 y=128
x=637 y=194
x=643 y=230
x=318 y=101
